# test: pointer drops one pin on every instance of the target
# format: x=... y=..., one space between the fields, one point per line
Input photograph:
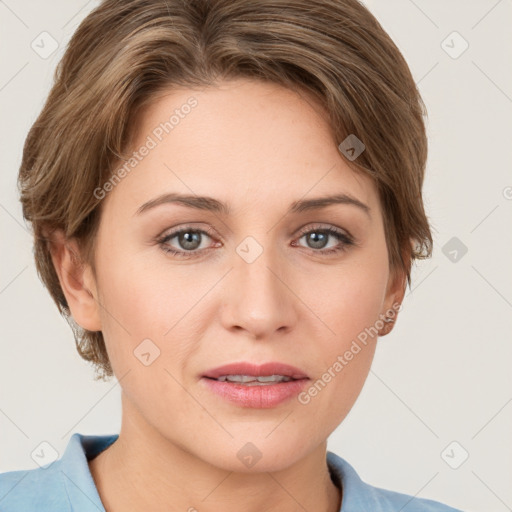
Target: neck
x=142 y=471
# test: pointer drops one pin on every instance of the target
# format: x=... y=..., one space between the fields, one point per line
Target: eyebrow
x=216 y=206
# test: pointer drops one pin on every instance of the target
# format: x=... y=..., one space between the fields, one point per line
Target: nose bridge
x=259 y=301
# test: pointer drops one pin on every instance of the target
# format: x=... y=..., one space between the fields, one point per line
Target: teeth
x=255 y=380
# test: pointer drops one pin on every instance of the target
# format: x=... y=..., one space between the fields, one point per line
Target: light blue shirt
x=67 y=485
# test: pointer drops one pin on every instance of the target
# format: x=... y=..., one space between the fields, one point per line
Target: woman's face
x=259 y=279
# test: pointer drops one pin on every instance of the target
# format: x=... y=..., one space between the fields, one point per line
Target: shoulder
x=34 y=489
x=60 y=486
x=360 y=496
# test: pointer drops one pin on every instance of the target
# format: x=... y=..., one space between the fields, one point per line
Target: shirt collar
x=75 y=474
x=357 y=495
x=84 y=497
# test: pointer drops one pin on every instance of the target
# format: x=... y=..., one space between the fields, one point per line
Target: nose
x=258 y=298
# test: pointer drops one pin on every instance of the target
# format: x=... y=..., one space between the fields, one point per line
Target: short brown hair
x=125 y=52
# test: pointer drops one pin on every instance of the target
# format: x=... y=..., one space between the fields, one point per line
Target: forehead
x=242 y=142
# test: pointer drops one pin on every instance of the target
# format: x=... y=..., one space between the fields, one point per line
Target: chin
x=257 y=454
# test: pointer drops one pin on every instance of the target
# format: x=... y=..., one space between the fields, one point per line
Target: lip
x=256 y=396
x=247 y=368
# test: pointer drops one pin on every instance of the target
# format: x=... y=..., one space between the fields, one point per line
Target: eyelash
x=346 y=240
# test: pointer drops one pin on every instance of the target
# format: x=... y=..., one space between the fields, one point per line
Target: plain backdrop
x=440 y=389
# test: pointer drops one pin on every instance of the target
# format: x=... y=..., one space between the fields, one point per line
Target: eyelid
x=170 y=232
x=345 y=239
x=213 y=234
x=320 y=226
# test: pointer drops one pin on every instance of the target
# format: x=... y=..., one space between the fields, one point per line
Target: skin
x=258 y=147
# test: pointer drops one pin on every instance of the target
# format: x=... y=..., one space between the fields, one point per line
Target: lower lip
x=258 y=397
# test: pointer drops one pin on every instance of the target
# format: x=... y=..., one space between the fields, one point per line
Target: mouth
x=255 y=386
x=252 y=374
x=251 y=380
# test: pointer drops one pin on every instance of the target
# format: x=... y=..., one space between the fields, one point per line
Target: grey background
x=442 y=375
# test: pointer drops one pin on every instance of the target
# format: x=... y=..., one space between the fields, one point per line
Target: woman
x=226 y=199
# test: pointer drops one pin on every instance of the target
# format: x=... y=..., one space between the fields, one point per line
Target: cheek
x=146 y=300
x=350 y=304
x=143 y=297
x=351 y=297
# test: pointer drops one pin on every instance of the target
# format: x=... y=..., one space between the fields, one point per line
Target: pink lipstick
x=256 y=386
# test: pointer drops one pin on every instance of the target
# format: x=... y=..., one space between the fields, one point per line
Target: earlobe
x=393 y=301
x=76 y=280
x=395 y=292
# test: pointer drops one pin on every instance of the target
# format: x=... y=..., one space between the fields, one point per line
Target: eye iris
x=318 y=239
x=189 y=237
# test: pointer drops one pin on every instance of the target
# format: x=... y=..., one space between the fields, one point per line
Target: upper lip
x=256 y=370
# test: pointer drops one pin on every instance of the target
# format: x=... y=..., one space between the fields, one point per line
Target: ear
x=76 y=280
x=395 y=292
